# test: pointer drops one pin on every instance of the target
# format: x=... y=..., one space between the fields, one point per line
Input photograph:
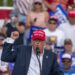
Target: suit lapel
x=46 y=63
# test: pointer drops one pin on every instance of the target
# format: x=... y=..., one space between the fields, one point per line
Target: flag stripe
x=23 y=6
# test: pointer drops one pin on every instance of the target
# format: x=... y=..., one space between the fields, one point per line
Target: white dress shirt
x=34 y=68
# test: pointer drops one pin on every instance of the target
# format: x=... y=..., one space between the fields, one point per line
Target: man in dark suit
x=31 y=60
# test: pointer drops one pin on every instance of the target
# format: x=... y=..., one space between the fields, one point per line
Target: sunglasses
x=52 y=23
x=66 y=60
x=37 y=3
x=68 y=43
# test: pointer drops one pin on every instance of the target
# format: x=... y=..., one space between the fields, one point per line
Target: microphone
x=37 y=51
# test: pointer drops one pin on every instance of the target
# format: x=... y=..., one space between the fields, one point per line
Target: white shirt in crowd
x=69 y=31
x=58 y=34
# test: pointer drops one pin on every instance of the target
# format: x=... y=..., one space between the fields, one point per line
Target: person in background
x=3 y=65
x=54 y=3
x=4 y=27
x=69 y=28
x=21 y=29
x=4 y=30
x=23 y=7
x=68 y=45
x=31 y=60
x=16 y=43
x=57 y=8
x=11 y=26
x=67 y=62
x=51 y=4
x=37 y=16
x=36 y=19
x=71 y=8
x=14 y=25
x=52 y=33
x=19 y=41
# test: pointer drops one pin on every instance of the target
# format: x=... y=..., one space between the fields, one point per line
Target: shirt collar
x=34 y=52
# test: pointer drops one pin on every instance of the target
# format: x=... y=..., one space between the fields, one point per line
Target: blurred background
x=6 y=2
x=58 y=18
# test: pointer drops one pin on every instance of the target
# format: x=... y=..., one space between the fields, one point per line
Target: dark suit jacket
x=22 y=55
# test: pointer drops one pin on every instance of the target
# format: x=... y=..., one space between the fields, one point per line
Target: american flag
x=24 y=6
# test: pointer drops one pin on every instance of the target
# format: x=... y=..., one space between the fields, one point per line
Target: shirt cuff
x=9 y=40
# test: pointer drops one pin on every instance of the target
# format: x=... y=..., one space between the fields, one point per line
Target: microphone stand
x=38 y=58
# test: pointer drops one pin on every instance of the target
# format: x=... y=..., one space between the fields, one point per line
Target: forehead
x=38 y=40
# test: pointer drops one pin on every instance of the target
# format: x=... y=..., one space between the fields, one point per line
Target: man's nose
x=37 y=43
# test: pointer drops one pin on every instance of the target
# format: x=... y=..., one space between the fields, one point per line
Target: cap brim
x=38 y=39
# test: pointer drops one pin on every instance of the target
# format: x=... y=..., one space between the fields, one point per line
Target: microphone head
x=37 y=51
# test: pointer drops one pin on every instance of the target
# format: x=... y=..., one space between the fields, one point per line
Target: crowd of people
x=55 y=17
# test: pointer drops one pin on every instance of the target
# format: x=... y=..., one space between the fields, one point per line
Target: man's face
x=52 y=26
x=38 y=43
x=37 y=6
x=68 y=47
x=72 y=20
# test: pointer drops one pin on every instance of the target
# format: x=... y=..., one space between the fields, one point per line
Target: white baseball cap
x=66 y=55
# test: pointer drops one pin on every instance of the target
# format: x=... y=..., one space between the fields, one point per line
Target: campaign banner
x=60 y=14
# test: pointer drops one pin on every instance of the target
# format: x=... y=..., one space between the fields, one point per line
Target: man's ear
x=44 y=43
x=31 y=42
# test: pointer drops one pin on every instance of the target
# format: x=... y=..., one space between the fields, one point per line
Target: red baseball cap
x=38 y=34
x=71 y=13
